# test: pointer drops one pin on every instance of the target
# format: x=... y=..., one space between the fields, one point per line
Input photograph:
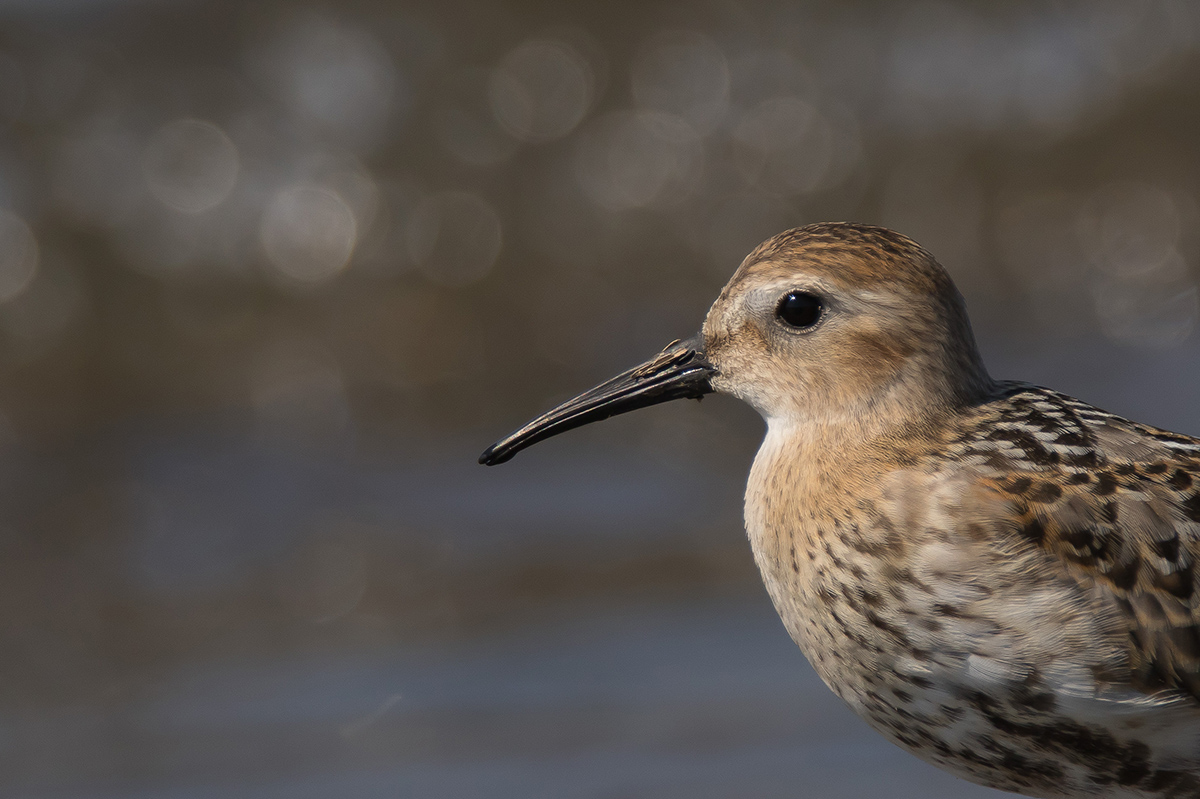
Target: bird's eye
x=800 y=309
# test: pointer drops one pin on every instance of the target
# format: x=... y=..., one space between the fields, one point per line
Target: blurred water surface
x=273 y=273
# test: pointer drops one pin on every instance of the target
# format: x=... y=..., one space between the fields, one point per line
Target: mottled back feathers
x=1116 y=502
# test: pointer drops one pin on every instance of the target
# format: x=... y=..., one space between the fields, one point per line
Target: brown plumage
x=1118 y=504
x=998 y=577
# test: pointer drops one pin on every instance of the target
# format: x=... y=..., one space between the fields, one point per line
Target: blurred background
x=273 y=274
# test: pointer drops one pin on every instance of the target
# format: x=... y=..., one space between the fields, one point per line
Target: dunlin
x=997 y=577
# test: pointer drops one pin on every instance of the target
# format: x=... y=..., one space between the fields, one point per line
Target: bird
x=996 y=576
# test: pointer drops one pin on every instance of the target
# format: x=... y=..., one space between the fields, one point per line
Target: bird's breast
x=833 y=566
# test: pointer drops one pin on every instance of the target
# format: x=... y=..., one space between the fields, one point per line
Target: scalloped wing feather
x=1118 y=505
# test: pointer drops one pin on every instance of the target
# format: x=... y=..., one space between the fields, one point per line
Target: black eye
x=800 y=309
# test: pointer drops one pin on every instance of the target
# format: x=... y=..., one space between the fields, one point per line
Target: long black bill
x=678 y=372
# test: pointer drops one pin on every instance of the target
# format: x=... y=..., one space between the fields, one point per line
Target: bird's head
x=822 y=324
x=832 y=320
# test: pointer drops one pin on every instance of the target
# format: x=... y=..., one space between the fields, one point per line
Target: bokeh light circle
x=18 y=255
x=190 y=165
x=308 y=233
x=541 y=90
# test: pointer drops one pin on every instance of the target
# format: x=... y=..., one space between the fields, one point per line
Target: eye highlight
x=800 y=309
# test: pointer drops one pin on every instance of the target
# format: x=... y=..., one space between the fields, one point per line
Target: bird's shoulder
x=1115 y=503
x=1023 y=427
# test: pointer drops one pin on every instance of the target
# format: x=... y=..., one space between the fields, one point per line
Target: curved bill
x=678 y=372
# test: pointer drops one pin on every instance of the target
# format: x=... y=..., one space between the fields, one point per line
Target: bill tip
x=491 y=457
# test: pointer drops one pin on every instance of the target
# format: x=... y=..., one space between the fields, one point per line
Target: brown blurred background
x=273 y=274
